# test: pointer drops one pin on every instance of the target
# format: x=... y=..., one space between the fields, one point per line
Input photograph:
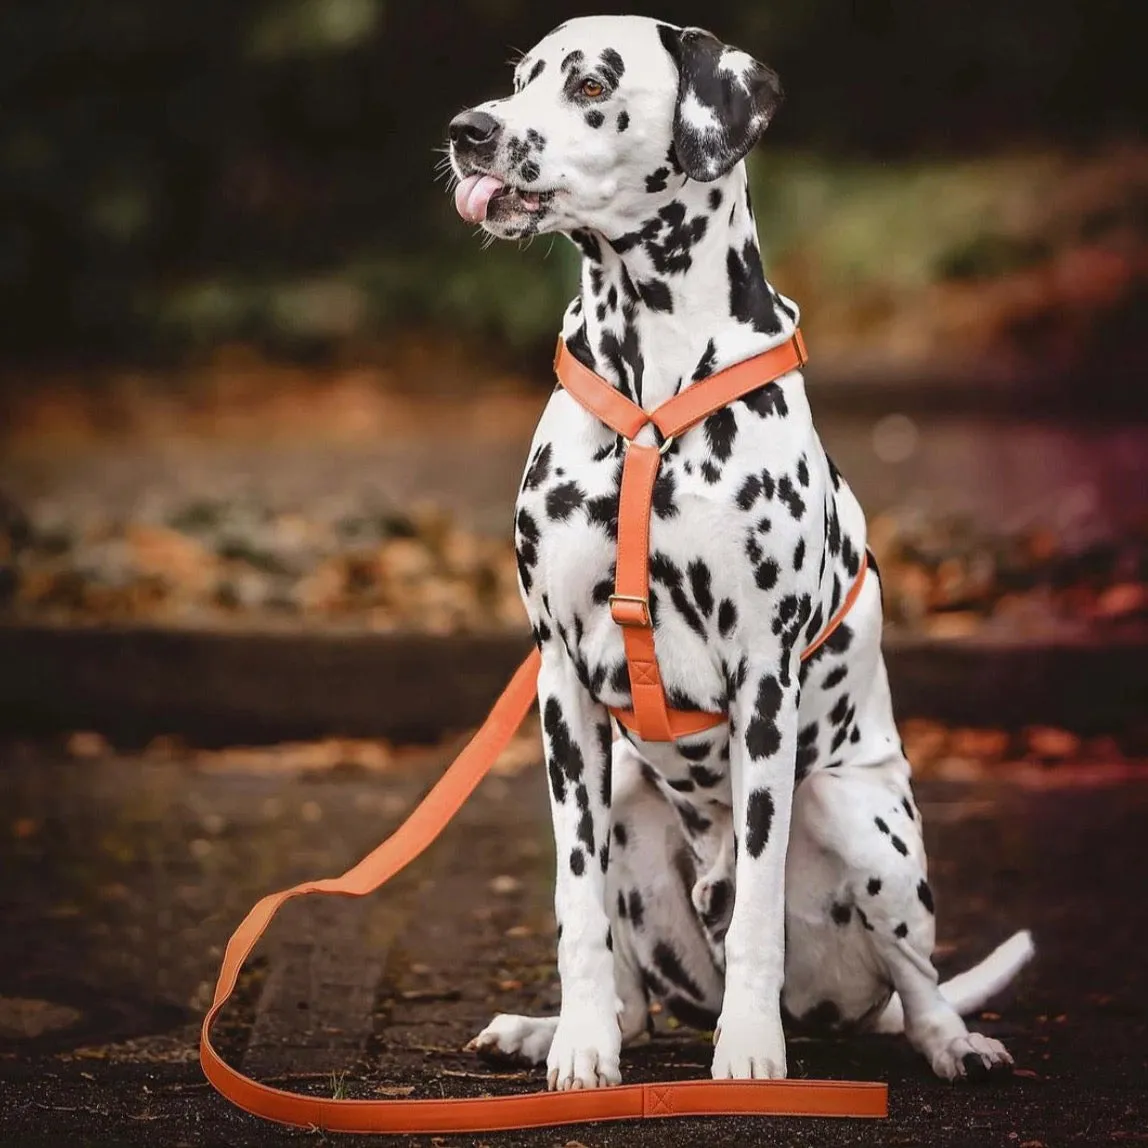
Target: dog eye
x=591 y=89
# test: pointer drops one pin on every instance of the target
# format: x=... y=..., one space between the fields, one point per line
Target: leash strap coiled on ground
x=499 y=1113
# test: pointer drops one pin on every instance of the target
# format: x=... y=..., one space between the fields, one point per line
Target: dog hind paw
x=972 y=1057
x=515 y=1037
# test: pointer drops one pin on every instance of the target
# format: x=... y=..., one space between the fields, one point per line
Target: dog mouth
x=481 y=197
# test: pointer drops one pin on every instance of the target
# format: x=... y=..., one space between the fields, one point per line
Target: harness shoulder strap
x=488 y=1114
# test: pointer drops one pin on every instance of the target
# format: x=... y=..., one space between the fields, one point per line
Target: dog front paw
x=971 y=1057
x=584 y=1053
x=750 y=1046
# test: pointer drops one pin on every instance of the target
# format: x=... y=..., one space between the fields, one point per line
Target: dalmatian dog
x=774 y=866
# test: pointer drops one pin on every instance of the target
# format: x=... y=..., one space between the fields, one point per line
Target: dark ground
x=123 y=879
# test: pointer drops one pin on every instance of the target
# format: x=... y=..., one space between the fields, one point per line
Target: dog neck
x=678 y=299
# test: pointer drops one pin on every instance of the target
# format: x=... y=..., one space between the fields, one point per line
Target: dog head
x=609 y=118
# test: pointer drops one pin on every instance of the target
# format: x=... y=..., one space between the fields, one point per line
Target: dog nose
x=473 y=129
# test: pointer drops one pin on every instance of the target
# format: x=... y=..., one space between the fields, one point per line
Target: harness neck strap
x=651 y=718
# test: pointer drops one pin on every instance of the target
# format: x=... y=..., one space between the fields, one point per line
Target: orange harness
x=651 y=719
x=430 y=817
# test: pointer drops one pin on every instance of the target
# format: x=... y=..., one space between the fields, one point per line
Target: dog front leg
x=763 y=744
x=576 y=736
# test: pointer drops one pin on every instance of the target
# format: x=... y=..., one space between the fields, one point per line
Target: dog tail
x=969 y=990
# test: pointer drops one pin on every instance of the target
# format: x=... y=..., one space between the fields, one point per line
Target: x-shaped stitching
x=647 y=674
x=660 y=1102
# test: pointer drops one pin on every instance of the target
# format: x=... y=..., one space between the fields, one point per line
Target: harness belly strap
x=651 y=718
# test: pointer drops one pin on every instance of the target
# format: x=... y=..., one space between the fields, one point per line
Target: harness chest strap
x=651 y=718
x=487 y=1114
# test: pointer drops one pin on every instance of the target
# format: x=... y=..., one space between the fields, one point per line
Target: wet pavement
x=124 y=877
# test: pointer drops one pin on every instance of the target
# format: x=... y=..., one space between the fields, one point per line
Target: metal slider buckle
x=643 y=602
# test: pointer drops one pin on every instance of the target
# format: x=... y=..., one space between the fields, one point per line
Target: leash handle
x=500 y=1113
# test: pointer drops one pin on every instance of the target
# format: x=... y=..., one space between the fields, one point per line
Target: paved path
x=122 y=879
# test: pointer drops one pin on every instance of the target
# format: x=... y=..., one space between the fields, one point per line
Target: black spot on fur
x=665 y=487
x=529 y=171
x=572 y=60
x=621 y=834
x=748 y=494
x=563 y=500
x=595 y=119
x=790 y=497
x=766 y=574
x=901 y=931
x=705 y=365
x=721 y=431
x=699 y=575
x=656 y=295
x=705 y=778
x=841 y=914
x=863 y=919
x=835 y=677
x=565 y=763
x=577 y=862
x=727 y=617
x=907 y=808
x=637 y=908
x=669 y=964
x=539 y=469
x=749 y=298
x=719 y=903
x=925 y=895
x=526 y=548
x=623 y=121
x=536 y=71
x=613 y=65
x=799 y=554
x=874 y=886
x=695 y=823
x=767 y=400
x=656 y=180
x=762 y=737
x=714 y=198
x=588 y=244
x=697 y=752
x=759 y=821
x=900 y=845
x=711 y=473
x=881 y=826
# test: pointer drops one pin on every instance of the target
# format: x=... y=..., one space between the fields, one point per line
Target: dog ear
x=725 y=101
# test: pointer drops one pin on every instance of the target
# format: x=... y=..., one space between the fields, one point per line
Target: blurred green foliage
x=176 y=173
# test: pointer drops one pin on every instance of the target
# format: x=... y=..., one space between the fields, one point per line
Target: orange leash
x=652 y=719
x=499 y=1113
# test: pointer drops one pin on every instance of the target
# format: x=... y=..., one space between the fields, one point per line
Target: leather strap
x=487 y=1114
x=701 y=399
x=630 y=602
x=842 y=610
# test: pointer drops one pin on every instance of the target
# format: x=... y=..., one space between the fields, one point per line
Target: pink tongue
x=473 y=196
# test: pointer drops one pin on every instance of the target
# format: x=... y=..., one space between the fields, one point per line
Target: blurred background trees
x=239 y=316
x=175 y=175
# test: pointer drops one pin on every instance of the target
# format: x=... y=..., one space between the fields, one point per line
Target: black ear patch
x=725 y=101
